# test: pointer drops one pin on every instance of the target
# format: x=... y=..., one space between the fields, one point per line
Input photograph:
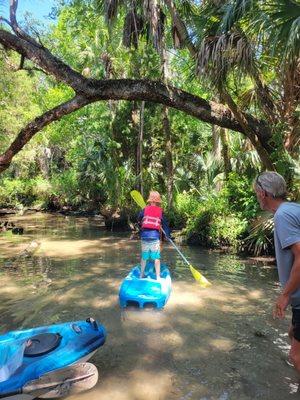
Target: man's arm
x=292 y=284
x=294 y=280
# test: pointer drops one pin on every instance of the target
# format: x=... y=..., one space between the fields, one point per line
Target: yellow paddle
x=138 y=198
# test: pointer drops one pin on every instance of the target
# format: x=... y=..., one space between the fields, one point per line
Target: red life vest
x=152 y=217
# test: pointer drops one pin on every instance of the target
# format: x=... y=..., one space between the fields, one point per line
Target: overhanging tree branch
x=127 y=89
x=36 y=125
x=258 y=139
x=2 y=19
x=261 y=150
x=89 y=91
x=15 y=26
x=43 y=58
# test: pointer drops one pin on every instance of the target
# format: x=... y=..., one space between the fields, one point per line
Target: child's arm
x=140 y=217
x=165 y=227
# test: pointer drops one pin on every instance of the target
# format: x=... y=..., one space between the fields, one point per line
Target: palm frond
x=218 y=55
x=279 y=25
x=249 y=96
x=186 y=7
x=155 y=18
x=293 y=43
x=133 y=27
x=111 y=10
x=108 y=65
x=260 y=238
x=233 y=13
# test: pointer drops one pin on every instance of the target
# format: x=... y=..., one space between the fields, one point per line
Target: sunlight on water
x=218 y=343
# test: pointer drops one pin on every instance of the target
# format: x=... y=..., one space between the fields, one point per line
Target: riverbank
x=114 y=223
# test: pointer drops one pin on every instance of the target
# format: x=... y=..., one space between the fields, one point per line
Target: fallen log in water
x=29 y=251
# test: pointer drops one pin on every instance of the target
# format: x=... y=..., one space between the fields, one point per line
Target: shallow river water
x=219 y=343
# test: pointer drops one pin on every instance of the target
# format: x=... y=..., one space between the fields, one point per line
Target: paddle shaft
x=138 y=198
x=176 y=248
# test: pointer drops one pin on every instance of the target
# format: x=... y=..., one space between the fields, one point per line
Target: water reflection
x=216 y=343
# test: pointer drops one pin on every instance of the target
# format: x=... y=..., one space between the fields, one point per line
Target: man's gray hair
x=273 y=183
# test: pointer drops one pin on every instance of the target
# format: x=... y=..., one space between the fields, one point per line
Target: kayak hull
x=78 y=341
x=147 y=291
x=29 y=397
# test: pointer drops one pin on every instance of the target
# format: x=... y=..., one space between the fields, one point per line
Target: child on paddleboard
x=152 y=222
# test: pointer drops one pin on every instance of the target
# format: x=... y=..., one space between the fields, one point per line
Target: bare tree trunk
x=135 y=116
x=113 y=108
x=115 y=157
x=256 y=142
x=291 y=100
x=225 y=152
x=182 y=31
x=167 y=126
x=169 y=156
x=221 y=147
x=43 y=161
x=216 y=141
x=140 y=150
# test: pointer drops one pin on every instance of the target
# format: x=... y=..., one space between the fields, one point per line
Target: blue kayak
x=28 y=354
x=146 y=291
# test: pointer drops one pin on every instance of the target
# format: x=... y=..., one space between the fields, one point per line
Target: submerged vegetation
x=241 y=60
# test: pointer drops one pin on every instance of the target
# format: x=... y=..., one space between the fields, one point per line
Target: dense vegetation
x=241 y=54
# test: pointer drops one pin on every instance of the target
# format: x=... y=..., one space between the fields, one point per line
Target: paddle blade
x=138 y=198
x=63 y=382
x=199 y=277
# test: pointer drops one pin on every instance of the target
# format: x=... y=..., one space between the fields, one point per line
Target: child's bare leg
x=157 y=267
x=143 y=266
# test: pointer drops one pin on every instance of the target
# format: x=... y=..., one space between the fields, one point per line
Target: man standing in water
x=270 y=189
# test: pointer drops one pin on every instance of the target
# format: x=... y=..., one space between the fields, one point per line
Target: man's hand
x=280 y=306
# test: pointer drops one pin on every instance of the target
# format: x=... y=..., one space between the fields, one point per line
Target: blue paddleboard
x=146 y=291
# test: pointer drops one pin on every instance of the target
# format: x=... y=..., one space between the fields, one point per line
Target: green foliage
x=185 y=204
x=213 y=225
x=226 y=230
x=41 y=190
x=295 y=188
x=241 y=196
x=17 y=99
x=259 y=240
x=65 y=189
x=17 y=192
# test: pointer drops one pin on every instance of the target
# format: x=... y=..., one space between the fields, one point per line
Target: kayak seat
x=41 y=344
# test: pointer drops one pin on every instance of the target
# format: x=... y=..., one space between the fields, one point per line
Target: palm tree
x=237 y=41
x=146 y=20
x=229 y=38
